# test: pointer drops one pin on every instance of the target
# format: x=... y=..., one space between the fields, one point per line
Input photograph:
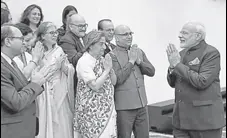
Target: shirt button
x=179 y=90
x=188 y=52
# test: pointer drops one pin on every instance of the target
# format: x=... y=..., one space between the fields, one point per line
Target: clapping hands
x=37 y=51
x=40 y=76
x=60 y=60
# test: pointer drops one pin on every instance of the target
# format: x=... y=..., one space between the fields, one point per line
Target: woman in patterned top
x=95 y=115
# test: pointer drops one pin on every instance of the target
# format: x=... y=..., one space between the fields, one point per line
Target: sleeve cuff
x=35 y=87
x=130 y=65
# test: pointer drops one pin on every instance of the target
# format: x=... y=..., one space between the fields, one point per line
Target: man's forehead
x=122 y=29
x=189 y=27
x=107 y=23
x=77 y=18
x=16 y=32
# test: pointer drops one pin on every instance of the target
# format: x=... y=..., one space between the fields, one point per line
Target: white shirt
x=108 y=44
x=7 y=58
x=82 y=42
x=85 y=66
x=19 y=62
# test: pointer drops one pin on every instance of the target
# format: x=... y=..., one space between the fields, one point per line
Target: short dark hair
x=4 y=16
x=24 y=18
x=65 y=12
x=100 y=23
x=25 y=29
x=6 y=31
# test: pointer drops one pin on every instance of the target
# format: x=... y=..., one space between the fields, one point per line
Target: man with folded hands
x=194 y=73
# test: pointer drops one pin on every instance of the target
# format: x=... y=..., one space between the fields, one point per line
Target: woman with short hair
x=95 y=115
x=56 y=103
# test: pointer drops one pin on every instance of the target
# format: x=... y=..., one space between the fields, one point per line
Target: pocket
x=202 y=103
x=11 y=120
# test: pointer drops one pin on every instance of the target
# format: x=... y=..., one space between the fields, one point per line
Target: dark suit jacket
x=198 y=101
x=107 y=50
x=72 y=46
x=18 y=109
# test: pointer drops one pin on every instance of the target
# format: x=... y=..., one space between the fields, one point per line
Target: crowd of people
x=69 y=83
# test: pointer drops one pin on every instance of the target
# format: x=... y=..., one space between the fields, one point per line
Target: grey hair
x=200 y=28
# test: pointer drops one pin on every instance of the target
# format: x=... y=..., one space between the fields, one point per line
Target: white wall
x=154 y=22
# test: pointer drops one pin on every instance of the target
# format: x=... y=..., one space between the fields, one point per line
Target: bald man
x=194 y=73
x=130 y=65
x=72 y=43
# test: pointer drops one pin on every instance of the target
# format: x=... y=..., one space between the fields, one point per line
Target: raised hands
x=37 y=52
x=40 y=76
x=135 y=54
x=60 y=60
x=173 y=55
x=108 y=62
x=132 y=54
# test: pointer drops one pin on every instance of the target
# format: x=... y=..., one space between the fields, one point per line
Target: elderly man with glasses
x=72 y=43
x=130 y=64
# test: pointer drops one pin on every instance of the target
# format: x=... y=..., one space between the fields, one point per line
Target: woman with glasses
x=67 y=12
x=55 y=104
x=32 y=16
x=95 y=115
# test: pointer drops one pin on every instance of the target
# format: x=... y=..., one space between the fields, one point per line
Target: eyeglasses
x=109 y=30
x=52 y=32
x=20 y=38
x=81 y=26
x=126 y=34
x=184 y=32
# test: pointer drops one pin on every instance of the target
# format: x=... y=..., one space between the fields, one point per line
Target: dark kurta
x=130 y=89
x=198 y=100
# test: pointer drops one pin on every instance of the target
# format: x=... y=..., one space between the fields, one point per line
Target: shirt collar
x=109 y=45
x=6 y=58
x=120 y=48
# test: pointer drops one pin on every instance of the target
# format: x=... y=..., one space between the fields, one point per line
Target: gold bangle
x=34 y=62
